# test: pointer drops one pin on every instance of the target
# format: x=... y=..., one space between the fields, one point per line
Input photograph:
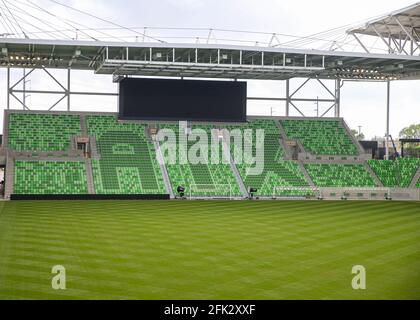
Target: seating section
x=124 y=158
x=339 y=175
x=42 y=132
x=276 y=172
x=208 y=179
x=50 y=177
x=127 y=163
x=327 y=137
x=395 y=173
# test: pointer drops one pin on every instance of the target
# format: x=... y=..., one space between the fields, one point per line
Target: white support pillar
x=287 y=97
x=8 y=88
x=388 y=93
x=68 y=89
x=24 y=89
x=337 y=98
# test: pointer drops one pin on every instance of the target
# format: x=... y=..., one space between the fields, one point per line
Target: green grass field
x=210 y=250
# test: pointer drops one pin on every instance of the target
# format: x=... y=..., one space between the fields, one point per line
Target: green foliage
x=412 y=131
x=357 y=135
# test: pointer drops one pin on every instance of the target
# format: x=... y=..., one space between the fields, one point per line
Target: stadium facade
x=76 y=154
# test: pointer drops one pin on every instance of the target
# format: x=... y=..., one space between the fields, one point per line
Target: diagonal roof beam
x=52 y=77
x=382 y=38
x=399 y=46
x=22 y=79
x=297 y=109
x=406 y=32
x=326 y=88
x=300 y=87
x=360 y=42
x=326 y=111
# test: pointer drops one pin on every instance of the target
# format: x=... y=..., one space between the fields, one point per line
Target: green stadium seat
x=395 y=173
x=276 y=172
x=339 y=175
x=202 y=180
x=320 y=137
x=127 y=163
x=50 y=177
x=42 y=132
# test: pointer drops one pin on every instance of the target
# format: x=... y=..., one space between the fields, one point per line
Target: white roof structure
x=398 y=30
x=205 y=60
x=36 y=38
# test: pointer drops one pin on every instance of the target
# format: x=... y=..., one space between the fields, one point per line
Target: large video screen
x=168 y=99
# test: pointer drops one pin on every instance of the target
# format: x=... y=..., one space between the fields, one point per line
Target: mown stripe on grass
x=209 y=249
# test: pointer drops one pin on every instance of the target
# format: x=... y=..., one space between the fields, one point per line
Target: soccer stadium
x=181 y=194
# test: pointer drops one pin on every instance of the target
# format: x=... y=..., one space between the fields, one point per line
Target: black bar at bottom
x=214 y=310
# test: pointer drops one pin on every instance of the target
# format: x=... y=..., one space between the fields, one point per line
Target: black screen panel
x=168 y=99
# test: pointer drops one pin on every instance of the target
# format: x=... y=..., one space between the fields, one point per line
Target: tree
x=357 y=135
x=411 y=132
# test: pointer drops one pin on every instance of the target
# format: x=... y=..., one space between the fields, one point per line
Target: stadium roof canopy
x=398 y=30
x=394 y=23
x=37 y=38
x=205 y=60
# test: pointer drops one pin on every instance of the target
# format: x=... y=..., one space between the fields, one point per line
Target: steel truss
x=291 y=101
x=289 y=98
x=65 y=93
x=399 y=31
x=407 y=42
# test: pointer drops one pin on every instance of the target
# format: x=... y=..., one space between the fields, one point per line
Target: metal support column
x=68 y=89
x=24 y=89
x=287 y=97
x=337 y=97
x=8 y=88
x=388 y=92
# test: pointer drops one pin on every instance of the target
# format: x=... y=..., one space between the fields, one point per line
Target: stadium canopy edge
x=205 y=60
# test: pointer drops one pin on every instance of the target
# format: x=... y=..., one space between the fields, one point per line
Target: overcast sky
x=362 y=104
